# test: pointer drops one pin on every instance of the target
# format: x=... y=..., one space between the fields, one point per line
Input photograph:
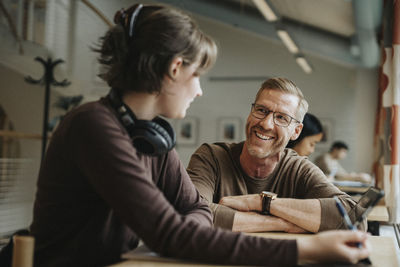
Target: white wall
x=23 y=104
x=341 y=95
x=365 y=106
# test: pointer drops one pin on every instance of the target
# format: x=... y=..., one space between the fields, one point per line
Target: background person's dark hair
x=338 y=145
x=311 y=126
x=160 y=34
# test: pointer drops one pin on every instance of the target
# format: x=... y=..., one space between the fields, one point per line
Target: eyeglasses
x=280 y=119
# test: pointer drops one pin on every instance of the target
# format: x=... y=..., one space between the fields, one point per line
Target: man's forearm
x=255 y=222
x=306 y=213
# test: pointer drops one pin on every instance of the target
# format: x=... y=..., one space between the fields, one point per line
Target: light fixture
x=304 y=64
x=288 y=41
x=266 y=10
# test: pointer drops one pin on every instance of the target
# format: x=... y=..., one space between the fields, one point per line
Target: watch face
x=269 y=194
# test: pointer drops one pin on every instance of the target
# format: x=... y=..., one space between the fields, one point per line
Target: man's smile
x=263 y=137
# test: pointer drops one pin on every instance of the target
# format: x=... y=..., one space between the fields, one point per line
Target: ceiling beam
x=367 y=18
x=311 y=40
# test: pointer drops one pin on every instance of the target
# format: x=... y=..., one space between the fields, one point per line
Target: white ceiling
x=335 y=16
x=342 y=30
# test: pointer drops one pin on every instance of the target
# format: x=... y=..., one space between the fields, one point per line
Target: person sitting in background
x=311 y=134
x=329 y=164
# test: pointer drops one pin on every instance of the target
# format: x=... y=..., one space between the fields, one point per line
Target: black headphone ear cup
x=167 y=127
x=154 y=137
x=151 y=138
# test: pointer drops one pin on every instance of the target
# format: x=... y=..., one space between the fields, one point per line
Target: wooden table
x=379 y=214
x=383 y=253
x=352 y=189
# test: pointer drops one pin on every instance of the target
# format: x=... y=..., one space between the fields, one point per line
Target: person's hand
x=365 y=178
x=361 y=177
x=334 y=246
x=243 y=202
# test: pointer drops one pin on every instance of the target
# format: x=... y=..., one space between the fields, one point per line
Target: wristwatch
x=266 y=198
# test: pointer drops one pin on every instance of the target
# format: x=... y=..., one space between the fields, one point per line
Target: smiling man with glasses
x=258 y=185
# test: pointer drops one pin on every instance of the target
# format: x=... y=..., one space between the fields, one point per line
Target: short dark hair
x=311 y=126
x=139 y=61
x=339 y=145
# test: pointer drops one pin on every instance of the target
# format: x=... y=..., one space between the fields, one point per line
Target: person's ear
x=297 y=131
x=175 y=67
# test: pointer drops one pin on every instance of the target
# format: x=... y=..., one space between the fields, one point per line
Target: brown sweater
x=216 y=172
x=97 y=195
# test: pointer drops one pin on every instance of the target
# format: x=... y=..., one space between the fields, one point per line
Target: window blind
x=17 y=191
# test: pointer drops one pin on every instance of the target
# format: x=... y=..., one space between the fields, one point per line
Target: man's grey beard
x=257 y=154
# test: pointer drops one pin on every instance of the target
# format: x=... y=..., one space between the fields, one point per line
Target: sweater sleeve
x=177 y=187
x=204 y=171
x=317 y=186
x=123 y=178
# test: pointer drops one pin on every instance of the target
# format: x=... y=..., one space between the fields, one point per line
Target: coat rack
x=47 y=80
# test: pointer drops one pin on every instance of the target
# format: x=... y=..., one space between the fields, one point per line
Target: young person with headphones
x=111 y=176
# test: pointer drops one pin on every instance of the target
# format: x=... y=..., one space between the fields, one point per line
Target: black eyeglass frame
x=253 y=107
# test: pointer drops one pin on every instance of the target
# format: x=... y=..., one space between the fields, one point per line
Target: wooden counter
x=379 y=214
x=383 y=253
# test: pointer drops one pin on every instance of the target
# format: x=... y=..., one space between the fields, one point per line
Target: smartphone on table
x=367 y=201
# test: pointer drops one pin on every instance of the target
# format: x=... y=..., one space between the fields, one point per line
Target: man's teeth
x=264 y=137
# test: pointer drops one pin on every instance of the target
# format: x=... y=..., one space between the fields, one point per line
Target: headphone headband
x=133 y=18
x=122 y=17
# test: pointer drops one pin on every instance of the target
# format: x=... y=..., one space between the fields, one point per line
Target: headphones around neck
x=153 y=138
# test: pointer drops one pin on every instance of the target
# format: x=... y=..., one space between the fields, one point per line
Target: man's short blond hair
x=286 y=86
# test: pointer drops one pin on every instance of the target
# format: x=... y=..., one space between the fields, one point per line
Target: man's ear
x=297 y=131
x=175 y=67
